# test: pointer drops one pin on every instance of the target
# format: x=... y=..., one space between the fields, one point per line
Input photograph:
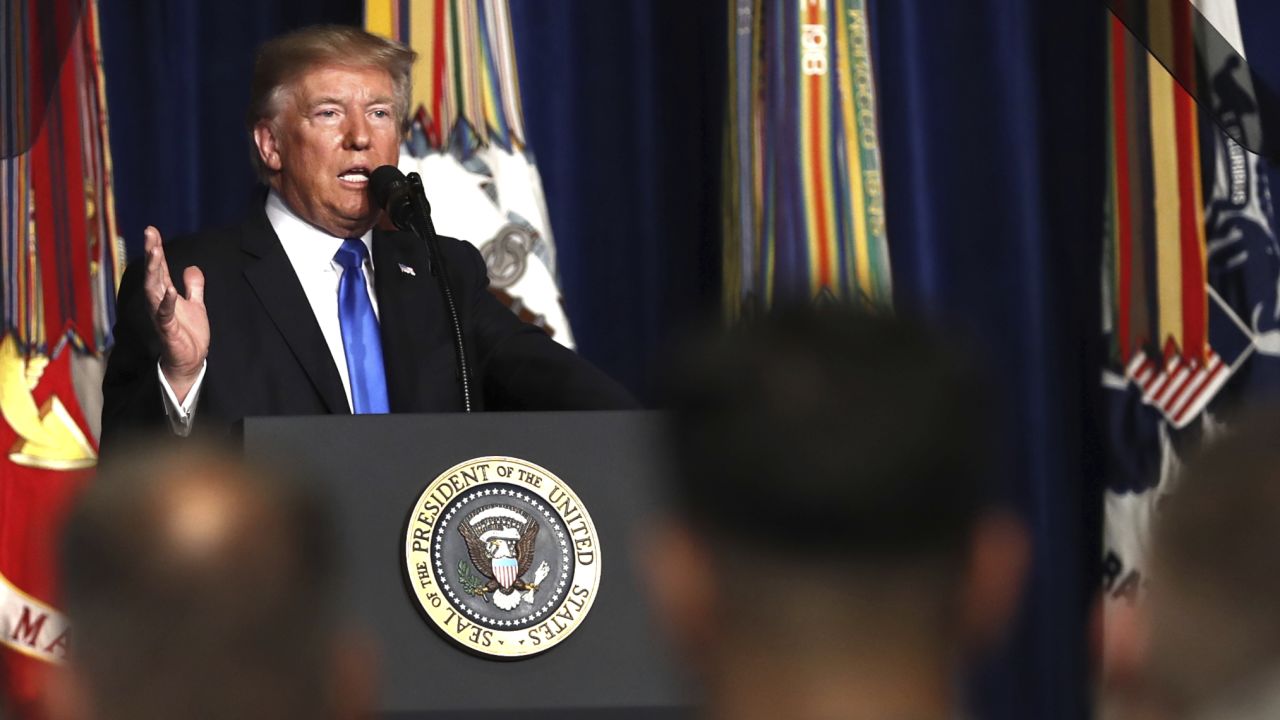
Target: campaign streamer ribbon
x=804 y=207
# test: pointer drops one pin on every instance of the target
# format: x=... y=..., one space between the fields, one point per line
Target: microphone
x=406 y=204
x=404 y=201
x=393 y=192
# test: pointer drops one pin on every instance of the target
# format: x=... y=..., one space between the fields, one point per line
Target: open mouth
x=358 y=174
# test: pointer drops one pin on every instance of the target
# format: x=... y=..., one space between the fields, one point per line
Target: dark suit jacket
x=267 y=355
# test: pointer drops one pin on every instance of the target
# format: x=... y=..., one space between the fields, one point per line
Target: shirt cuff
x=182 y=415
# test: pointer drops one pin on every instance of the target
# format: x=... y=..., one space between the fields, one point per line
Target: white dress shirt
x=310 y=252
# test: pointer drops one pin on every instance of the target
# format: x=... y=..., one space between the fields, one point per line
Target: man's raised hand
x=181 y=322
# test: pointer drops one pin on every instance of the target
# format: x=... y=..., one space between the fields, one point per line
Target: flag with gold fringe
x=804 y=206
x=61 y=263
x=1191 y=262
x=468 y=143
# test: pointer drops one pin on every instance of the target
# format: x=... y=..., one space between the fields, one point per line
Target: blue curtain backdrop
x=992 y=135
x=992 y=120
x=624 y=104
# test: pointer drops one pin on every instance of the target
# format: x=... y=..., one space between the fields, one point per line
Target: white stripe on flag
x=1193 y=387
x=1158 y=382
x=1174 y=386
x=1145 y=374
x=1138 y=362
x=1206 y=393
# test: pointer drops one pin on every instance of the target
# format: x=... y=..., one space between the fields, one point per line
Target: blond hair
x=281 y=61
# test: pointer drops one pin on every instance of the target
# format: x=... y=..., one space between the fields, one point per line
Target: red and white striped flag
x=1180 y=387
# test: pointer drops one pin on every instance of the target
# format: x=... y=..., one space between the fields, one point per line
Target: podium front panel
x=373 y=470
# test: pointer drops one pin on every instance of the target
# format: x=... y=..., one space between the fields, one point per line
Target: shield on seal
x=504 y=571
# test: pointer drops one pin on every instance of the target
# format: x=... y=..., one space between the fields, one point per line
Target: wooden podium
x=373 y=468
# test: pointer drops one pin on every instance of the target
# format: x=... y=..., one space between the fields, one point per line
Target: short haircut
x=245 y=631
x=831 y=434
x=281 y=61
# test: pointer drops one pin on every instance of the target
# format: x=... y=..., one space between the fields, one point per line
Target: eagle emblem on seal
x=500 y=543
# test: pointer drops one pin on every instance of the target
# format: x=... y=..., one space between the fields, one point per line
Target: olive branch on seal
x=469 y=581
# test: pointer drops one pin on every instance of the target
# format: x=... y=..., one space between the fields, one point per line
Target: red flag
x=61 y=264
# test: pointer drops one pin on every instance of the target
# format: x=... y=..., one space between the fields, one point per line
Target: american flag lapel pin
x=407 y=270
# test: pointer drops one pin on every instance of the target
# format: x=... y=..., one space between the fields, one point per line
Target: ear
x=264 y=137
x=682 y=587
x=998 y=555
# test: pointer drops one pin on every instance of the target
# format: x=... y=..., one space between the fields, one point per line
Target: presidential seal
x=502 y=557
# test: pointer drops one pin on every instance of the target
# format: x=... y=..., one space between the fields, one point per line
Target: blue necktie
x=360 y=339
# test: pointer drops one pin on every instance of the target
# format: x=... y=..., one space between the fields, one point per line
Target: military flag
x=468 y=143
x=62 y=260
x=804 y=206
x=1191 y=265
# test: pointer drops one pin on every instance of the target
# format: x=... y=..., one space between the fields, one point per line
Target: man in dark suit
x=312 y=306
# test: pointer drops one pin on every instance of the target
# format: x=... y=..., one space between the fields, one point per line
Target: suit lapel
x=275 y=282
x=407 y=297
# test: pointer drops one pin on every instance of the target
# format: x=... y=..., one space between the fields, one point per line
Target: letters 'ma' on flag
x=804 y=209
x=468 y=142
x=61 y=264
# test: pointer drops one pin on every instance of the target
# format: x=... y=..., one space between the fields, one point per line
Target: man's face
x=337 y=125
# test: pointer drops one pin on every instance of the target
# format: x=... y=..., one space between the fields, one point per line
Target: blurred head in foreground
x=832 y=553
x=200 y=587
x=1213 y=629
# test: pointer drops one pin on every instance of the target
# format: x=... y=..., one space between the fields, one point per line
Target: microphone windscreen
x=383 y=182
